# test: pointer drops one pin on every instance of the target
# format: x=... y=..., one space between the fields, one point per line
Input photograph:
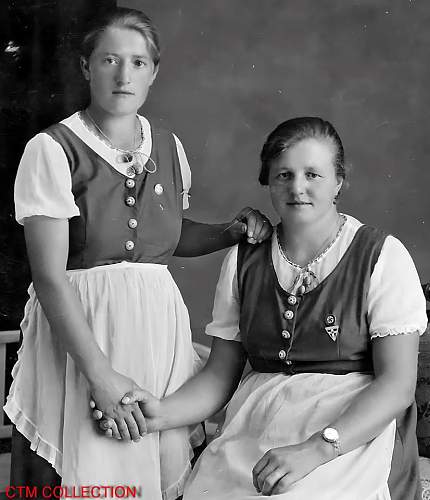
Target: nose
x=297 y=185
x=123 y=75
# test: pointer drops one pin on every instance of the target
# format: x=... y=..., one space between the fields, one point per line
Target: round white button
x=292 y=300
x=288 y=314
x=286 y=334
x=130 y=201
x=158 y=188
x=132 y=223
x=129 y=245
x=282 y=354
x=130 y=183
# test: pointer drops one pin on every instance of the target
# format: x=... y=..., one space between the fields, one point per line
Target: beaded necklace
x=133 y=159
x=306 y=279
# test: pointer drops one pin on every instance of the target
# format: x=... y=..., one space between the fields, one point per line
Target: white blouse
x=395 y=302
x=43 y=184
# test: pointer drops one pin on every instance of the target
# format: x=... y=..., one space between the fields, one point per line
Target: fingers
x=269 y=482
x=114 y=430
x=135 y=396
x=133 y=429
x=284 y=483
x=123 y=429
x=259 y=466
x=258 y=227
x=109 y=428
x=140 y=420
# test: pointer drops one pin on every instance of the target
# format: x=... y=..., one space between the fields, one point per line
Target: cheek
x=278 y=194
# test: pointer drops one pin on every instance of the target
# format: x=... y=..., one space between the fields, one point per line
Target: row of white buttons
x=292 y=300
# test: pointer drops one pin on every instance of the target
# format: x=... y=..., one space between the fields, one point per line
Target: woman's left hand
x=280 y=467
x=252 y=222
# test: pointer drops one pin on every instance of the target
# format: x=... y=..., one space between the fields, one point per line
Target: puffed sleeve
x=396 y=303
x=226 y=310
x=43 y=184
x=185 y=173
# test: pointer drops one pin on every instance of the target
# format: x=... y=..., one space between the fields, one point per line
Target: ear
x=85 y=67
x=154 y=75
x=339 y=185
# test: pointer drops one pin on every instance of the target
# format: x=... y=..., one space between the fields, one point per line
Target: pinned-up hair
x=122 y=17
x=293 y=131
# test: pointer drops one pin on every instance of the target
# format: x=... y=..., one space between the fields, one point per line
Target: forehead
x=121 y=40
x=310 y=152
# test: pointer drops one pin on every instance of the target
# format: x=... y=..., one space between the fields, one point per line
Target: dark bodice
x=122 y=219
x=326 y=330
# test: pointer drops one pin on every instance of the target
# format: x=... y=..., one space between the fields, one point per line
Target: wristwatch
x=330 y=435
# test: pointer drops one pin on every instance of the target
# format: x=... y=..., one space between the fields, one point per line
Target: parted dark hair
x=122 y=17
x=291 y=132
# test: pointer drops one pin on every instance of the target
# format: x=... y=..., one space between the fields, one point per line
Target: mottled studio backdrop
x=233 y=69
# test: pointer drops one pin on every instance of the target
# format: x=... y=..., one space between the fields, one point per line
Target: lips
x=298 y=203
x=122 y=92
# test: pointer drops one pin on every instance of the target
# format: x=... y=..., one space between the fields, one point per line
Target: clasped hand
x=137 y=414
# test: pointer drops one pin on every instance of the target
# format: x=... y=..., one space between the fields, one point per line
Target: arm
x=199 y=398
x=47 y=247
x=200 y=239
x=208 y=391
x=395 y=359
x=391 y=391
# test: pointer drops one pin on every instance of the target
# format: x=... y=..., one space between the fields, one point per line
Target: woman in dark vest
x=328 y=313
x=101 y=197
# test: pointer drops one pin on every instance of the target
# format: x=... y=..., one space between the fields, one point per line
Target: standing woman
x=101 y=196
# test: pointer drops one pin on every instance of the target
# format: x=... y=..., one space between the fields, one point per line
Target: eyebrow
x=142 y=56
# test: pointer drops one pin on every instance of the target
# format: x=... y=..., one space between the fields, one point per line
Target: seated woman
x=328 y=312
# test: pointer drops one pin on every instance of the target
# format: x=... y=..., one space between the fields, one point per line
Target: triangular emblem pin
x=332 y=332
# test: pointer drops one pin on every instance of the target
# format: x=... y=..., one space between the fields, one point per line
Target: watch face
x=330 y=434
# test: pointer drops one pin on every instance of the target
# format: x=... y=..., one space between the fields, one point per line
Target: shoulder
x=394 y=250
x=151 y=129
x=42 y=143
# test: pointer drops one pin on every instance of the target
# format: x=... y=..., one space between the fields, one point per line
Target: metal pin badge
x=332 y=331
x=158 y=188
x=331 y=328
x=330 y=319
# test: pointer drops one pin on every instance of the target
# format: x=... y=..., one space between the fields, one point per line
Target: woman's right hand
x=107 y=393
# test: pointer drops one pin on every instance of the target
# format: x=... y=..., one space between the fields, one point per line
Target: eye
x=110 y=60
x=284 y=176
x=139 y=63
x=312 y=175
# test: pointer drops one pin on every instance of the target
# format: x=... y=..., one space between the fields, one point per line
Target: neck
x=302 y=242
x=121 y=130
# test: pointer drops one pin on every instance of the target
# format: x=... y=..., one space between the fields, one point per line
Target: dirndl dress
x=123 y=228
x=308 y=364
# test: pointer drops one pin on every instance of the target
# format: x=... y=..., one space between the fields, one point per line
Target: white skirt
x=141 y=323
x=273 y=410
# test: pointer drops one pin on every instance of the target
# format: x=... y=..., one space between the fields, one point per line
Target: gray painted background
x=231 y=70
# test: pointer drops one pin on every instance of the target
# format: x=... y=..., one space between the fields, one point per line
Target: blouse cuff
x=224 y=333
x=58 y=215
x=399 y=330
